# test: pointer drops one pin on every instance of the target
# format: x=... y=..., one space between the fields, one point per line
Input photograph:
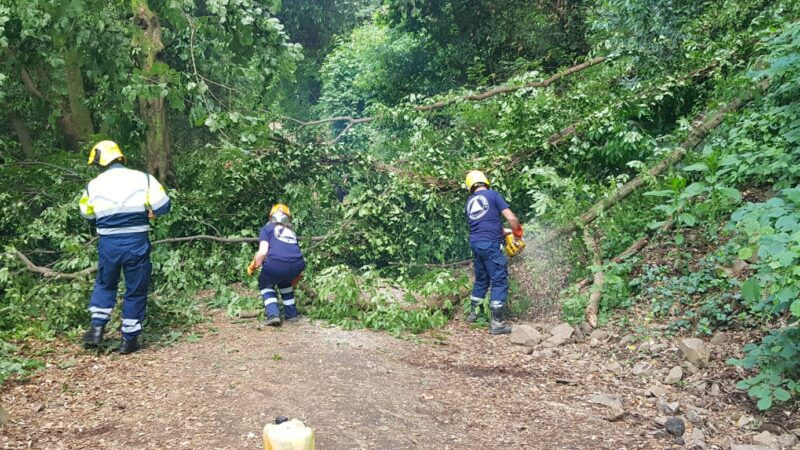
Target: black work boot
x=273 y=321
x=129 y=346
x=497 y=326
x=474 y=310
x=93 y=337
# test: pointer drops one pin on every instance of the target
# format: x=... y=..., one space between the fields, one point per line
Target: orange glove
x=518 y=232
x=251 y=268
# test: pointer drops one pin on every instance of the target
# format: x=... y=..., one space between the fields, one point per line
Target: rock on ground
x=693 y=417
x=675 y=426
x=612 y=401
x=675 y=374
x=695 y=440
x=655 y=391
x=667 y=407
x=767 y=439
x=600 y=335
x=695 y=351
x=642 y=369
x=559 y=335
x=787 y=440
x=525 y=335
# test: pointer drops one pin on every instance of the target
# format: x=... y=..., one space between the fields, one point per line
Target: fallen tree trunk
x=350 y=120
x=698 y=134
x=599 y=279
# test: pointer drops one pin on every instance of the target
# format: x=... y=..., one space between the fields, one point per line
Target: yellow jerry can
x=289 y=435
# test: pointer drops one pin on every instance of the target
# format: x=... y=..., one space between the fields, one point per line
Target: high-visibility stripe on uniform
x=120 y=210
x=122 y=230
x=496 y=304
x=267 y=290
x=287 y=290
x=269 y=301
x=288 y=302
x=119 y=199
x=131 y=325
x=100 y=313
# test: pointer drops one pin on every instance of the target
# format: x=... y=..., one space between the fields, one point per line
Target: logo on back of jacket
x=285 y=235
x=477 y=207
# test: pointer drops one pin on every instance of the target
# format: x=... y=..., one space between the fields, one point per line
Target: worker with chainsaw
x=281 y=263
x=485 y=210
x=120 y=203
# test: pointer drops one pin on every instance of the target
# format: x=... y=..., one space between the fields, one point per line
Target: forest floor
x=452 y=388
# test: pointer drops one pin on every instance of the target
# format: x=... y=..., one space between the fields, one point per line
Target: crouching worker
x=120 y=203
x=485 y=210
x=281 y=263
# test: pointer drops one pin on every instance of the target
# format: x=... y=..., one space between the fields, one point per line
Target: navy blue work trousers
x=491 y=270
x=130 y=254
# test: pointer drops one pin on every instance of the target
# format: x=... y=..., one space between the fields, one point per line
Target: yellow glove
x=514 y=245
x=251 y=268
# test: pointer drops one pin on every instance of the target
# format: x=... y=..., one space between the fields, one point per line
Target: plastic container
x=289 y=435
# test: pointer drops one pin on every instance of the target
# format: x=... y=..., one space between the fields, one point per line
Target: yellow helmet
x=280 y=214
x=474 y=177
x=105 y=152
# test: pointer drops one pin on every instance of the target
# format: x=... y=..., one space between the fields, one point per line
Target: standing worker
x=281 y=263
x=120 y=203
x=485 y=209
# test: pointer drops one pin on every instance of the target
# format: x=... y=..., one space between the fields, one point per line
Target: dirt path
x=358 y=389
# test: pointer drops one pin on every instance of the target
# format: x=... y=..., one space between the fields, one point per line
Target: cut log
x=631 y=250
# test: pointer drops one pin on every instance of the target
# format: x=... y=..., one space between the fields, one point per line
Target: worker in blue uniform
x=485 y=210
x=120 y=203
x=282 y=264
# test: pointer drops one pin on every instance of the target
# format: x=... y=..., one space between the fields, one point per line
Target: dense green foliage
x=236 y=88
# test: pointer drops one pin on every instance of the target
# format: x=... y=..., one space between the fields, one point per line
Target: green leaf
x=787 y=223
x=745 y=252
x=699 y=167
x=765 y=403
x=664 y=193
x=694 y=190
x=687 y=219
x=732 y=194
x=795 y=308
x=782 y=394
x=679 y=239
x=751 y=290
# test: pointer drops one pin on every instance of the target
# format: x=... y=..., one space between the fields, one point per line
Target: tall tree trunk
x=81 y=117
x=152 y=109
x=64 y=123
x=23 y=135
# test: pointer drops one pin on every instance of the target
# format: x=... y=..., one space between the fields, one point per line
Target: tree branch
x=49 y=273
x=29 y=84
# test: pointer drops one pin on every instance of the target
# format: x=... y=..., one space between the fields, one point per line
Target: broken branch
x=599 y=279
